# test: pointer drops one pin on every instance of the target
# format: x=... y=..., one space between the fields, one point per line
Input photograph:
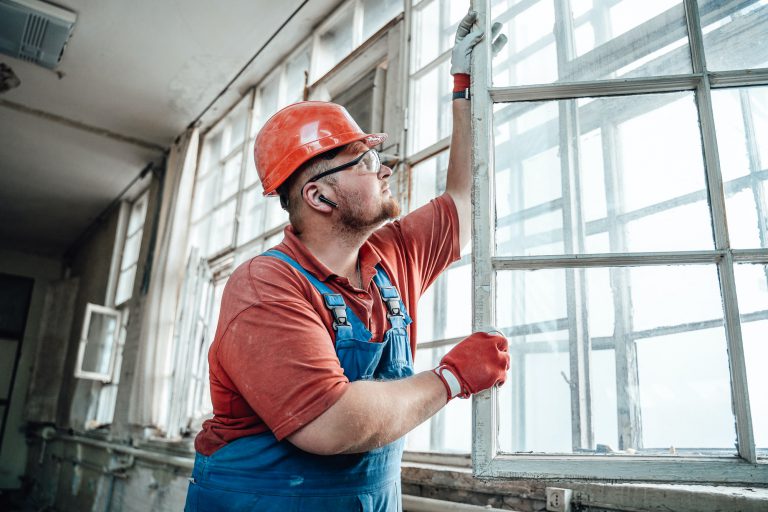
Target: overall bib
x=259 y=473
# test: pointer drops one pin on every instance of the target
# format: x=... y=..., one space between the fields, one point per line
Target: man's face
x=364 y=198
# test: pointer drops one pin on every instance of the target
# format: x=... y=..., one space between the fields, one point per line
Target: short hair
x=289 y=193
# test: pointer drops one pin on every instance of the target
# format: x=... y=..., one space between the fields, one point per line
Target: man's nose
x=385 y=172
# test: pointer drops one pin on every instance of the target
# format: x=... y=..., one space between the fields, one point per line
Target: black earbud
x=327 y=201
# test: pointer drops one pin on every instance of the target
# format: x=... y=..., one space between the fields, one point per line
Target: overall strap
x=345 y=322
x=396 y=311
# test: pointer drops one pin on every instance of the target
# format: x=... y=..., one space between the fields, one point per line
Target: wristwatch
x=461 y=95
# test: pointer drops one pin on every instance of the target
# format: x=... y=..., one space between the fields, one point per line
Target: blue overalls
x=259 y=473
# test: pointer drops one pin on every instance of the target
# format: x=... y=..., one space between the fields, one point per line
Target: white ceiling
x=139 y=73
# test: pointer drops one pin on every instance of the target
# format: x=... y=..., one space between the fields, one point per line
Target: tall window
x=105 y=341
x=624 y=250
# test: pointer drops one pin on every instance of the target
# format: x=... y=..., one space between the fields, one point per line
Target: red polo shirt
x=272 y=363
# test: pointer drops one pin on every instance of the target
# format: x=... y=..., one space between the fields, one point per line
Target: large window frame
x=488 y=461
x=120 y=291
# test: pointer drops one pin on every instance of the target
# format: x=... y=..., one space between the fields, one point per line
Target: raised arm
x=459 y=179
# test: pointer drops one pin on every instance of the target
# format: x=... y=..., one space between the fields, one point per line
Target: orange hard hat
x=300 y=132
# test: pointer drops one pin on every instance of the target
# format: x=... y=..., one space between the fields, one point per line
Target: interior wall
x=13 y=456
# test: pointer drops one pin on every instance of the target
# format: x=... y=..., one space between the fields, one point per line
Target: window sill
x=456 y=484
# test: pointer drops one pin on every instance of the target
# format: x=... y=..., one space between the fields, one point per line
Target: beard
x=353 y=219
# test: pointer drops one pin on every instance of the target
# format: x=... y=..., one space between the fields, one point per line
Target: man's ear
x=316 y=198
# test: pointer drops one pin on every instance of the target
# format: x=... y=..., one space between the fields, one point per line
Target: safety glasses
x=370 y=160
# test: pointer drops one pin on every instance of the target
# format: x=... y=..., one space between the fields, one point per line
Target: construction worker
x=311 y=367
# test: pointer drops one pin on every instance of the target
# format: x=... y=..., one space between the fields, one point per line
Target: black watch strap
x=461 y=95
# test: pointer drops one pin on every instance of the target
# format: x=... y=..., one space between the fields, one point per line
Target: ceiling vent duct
x=34 y=31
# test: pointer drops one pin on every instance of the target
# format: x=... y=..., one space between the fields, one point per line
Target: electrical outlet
x=559 y=500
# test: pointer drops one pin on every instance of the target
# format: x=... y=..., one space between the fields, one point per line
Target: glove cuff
x=451 y=383
x=460 y=82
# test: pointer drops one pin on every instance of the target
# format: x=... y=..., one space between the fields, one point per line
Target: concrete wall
x=75 y=477
x=13 y=456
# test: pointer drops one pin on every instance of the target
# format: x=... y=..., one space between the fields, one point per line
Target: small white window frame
x=80 y=373
x=487 y=460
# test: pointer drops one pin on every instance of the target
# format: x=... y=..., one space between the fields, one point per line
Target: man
x=311 y=368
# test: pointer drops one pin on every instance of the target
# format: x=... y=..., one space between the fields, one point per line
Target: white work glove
x=466 y=39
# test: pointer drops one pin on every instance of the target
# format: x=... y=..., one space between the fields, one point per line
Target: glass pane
x=211 y=153
x=294 y=76
x=756 y=354
x=428 y=180
x=730 y=32
x=431 y=107
x=445 y=309
x=548 y=203
x=450 y=430
x=752 y=293
x=741 y=121
x=238 y=122
x=434 y=29
x=334 y=43
x=125 y=285
x=231 y=177
x=198 y=235
x=658 y=348
x=131 y=250
x=204 y=195
x=686 y=408
x=100 y=342
x=625 y=38
x=378 y=12
x=276 y=216
x=106 y=406
x=222 y=228
x=251 y=215
x=250 y=168
x=269 y=99
x=138 y=213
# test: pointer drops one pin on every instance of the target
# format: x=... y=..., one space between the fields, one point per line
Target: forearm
x=371 y=414
x=459 y=178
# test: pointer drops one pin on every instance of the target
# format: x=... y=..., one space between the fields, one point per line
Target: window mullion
x=737 y=364
x=485 y=435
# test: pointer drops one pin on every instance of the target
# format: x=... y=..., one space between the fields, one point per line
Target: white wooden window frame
x=487 y=459
x=80 y=373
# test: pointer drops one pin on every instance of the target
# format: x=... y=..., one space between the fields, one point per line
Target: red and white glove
x=465 y=42
x=477 y=363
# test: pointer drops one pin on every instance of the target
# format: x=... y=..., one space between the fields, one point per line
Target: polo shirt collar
x=295 y=248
